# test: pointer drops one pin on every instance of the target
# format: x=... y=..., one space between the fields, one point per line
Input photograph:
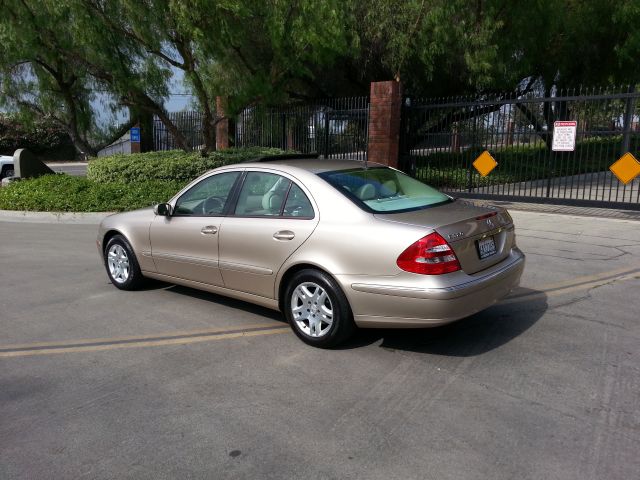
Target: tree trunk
x=145 y=120
x=208 y=117
x=209 y=131
x=82 y=146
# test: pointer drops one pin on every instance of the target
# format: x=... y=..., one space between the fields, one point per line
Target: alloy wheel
x=312 y=309
x=118 y=262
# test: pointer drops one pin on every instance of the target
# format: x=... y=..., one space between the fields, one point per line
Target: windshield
x=384 y=190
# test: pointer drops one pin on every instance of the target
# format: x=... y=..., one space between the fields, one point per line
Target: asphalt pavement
x=78 y=169
x=170 y=382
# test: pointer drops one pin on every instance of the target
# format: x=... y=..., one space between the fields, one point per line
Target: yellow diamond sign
x=485 y=163
x=626 y=168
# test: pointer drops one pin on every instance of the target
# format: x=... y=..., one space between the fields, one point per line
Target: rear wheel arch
x=288 y=275
x=328 y=320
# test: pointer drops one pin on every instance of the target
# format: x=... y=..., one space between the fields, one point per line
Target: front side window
x=208 y=197
x=384 y=190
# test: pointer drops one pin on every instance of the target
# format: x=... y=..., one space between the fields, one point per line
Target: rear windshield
x=382 y=189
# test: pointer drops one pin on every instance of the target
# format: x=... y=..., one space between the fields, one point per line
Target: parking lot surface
x=78 y=169
x=170 y=382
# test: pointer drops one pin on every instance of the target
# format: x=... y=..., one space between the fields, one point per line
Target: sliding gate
x=441 y=138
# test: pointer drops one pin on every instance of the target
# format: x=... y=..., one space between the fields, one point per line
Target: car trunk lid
x=479 y=236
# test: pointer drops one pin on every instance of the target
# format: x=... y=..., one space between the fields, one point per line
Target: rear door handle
x=284 y=235
x=209 y=230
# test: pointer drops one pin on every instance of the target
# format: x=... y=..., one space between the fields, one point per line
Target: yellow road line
x=574 y=287
x=155 y=336
x=588 y=278
x=36 y=349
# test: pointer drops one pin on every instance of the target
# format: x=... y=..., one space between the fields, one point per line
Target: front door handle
x=209 y=230
x=284 y=235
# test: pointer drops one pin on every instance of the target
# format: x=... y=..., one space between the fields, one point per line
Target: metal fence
x=334 y=128
x=442 y=137
x=120 y=146
x=188 y=123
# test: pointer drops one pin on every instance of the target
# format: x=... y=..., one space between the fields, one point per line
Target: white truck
x=6 y=166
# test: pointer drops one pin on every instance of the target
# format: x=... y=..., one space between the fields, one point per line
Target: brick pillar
x=384 y=122
x=222 y=128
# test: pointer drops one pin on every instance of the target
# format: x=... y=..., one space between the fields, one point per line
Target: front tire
x=121 y=264
x=317 y=309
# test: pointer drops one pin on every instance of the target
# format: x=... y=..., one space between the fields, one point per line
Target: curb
x=79 y=218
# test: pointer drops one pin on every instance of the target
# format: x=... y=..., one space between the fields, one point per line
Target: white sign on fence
x=564 y=136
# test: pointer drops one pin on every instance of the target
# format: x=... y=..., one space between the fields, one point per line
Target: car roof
x=314 y=165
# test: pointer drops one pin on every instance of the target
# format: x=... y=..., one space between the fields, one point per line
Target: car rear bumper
x=401 y=303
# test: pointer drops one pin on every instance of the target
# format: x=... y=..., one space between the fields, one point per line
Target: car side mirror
x=163 y=209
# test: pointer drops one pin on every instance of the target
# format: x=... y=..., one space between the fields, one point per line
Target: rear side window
x=384 y=190
x=297 y=204
x=262 y=195
x=269 y=195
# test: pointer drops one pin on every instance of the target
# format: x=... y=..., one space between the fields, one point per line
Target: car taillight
x=431 y=255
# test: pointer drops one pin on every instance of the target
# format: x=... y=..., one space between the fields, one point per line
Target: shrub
x=65 y=193
x=174 y=165
x=120 y=182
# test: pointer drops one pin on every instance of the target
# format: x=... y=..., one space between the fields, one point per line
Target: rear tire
x=317 y=309
x=121 y=264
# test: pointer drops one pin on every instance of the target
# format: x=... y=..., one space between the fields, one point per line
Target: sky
x=180 y=99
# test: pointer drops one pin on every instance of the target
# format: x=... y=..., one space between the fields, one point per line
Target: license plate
x=486 y=247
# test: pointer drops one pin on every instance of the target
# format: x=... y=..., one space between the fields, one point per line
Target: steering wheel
x=212 y=205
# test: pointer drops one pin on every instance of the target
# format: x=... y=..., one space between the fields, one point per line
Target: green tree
x=152 y=27
x=263 y=50
x=37 y=79
x=55 y=56
x=118 y=63
x=454 y=47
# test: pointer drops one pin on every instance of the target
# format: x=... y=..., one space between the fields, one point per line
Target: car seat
x=366 y=192
x=272 y=202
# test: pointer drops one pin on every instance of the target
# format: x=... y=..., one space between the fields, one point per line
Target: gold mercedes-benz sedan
x=333 y=244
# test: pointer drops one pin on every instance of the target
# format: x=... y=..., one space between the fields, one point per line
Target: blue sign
x=135 y=135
